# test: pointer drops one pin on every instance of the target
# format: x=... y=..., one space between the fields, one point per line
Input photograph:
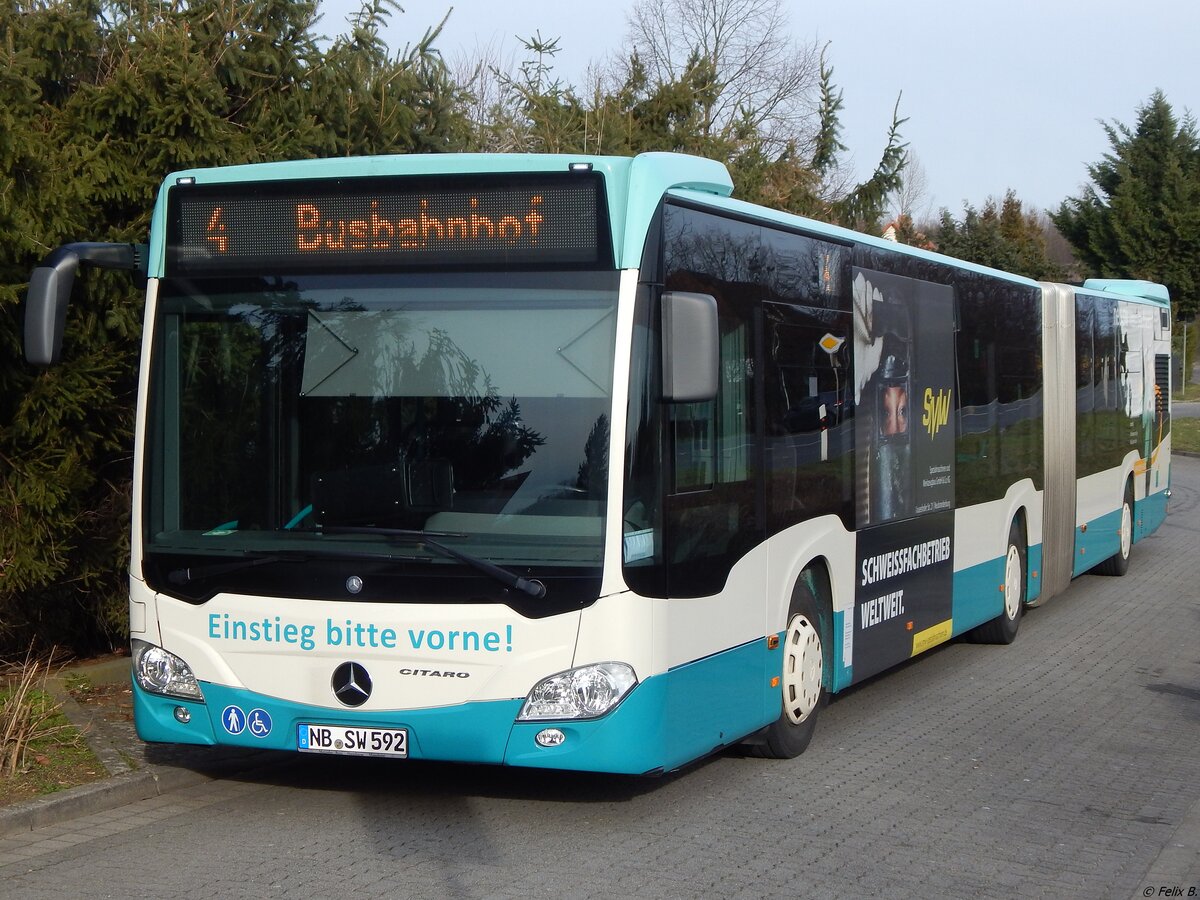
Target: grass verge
x=1185 y=435
x=40 y=751
x=1189 y=392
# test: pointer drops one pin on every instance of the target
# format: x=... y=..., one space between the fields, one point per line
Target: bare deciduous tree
x=911 y=198
x=486 y=77
x=764 y=80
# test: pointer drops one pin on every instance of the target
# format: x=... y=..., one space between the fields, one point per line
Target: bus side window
x=711 y=511
x=809 y=414
x=693 y=438
x=1085 y=391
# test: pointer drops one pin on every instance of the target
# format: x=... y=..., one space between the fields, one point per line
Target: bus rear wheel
x=1003 y=628
x=805 y=647
x=1118 y=563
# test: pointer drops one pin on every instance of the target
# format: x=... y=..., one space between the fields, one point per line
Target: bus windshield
x=316 y=414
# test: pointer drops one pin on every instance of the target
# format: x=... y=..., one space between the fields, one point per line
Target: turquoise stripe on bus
x=154 y=718
x=1103 y=536
x=1100 y=541
x=471 y=733
x=1150 y=513
x=668 y=719
x=665 y=721
x=978 y=597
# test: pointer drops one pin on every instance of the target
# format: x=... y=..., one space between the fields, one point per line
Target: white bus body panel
x=981 y=531
x=480 y=652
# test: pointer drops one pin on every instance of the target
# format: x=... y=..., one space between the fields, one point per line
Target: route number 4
x=215 y=232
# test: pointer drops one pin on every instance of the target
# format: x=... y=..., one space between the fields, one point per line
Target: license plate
x=353 y=740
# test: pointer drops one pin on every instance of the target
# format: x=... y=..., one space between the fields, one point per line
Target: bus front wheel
x=805 y=648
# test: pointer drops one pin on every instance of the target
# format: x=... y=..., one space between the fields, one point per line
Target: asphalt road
x=1065 y=765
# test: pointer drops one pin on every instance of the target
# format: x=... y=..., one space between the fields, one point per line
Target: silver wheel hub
x=1126 y=529
x=1012 y=583
x=803 y=664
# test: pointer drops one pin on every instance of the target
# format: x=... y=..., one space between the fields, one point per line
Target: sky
x=998 y=95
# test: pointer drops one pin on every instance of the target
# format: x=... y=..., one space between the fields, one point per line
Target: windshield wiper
x=529 y=586
x=250 y=560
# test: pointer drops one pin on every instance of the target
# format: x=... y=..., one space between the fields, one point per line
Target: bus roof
x=1141 y=290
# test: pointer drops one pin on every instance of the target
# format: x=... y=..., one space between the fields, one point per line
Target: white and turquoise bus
x=577 y=462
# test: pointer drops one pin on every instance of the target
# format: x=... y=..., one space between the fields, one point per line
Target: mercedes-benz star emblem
x=351 y=684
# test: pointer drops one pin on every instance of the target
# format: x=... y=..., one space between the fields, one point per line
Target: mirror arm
x=50 y=291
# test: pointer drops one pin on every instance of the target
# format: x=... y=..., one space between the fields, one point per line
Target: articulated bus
x=577 y=462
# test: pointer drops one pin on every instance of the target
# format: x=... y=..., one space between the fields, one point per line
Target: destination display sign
x=546 y=220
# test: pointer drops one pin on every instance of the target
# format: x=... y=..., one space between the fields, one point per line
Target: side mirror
x=50 y=292
x=46 y=308
x=690 y=347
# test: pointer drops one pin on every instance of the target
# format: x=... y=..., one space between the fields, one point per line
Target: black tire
x=1118 y=563
x=1003 y=628
x=807 y=661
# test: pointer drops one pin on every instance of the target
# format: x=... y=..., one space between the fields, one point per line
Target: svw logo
x=937 y=411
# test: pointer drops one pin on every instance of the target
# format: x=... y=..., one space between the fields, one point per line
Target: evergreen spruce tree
x=1140 y=217
x=1001 y=235
x=98 y=103
x=862 y=206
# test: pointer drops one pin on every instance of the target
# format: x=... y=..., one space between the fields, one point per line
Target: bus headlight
x=583 y=693
x=160 y=672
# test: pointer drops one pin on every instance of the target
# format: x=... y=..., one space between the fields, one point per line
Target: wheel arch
x=1020 y=518
x=826 y=554
x=815 y=573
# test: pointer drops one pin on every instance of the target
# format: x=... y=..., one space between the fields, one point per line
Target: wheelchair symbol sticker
x=259 y=723
x=233 y=719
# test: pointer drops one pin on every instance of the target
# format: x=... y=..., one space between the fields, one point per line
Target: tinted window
x=697 y=506
x=998 y=402
x=809 y=414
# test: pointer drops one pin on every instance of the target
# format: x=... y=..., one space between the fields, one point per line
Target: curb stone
x=98 y=796
x=136 y=770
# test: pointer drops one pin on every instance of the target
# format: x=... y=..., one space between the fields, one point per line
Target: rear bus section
x=1108 y=457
